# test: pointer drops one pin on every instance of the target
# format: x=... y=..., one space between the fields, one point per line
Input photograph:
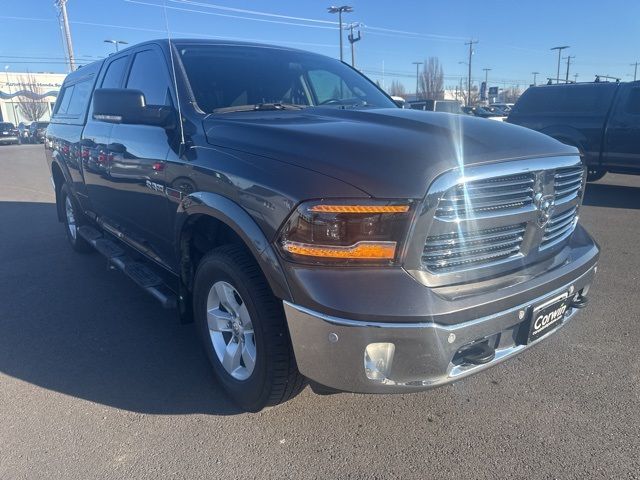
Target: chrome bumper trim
x=330 y=350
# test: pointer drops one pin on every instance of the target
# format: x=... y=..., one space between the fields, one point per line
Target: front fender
x=234 y=216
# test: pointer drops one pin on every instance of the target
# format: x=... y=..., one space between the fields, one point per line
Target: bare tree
x=431 y=80
x=30 y=102
x=511 y=94
x=397 y=89
x=475 y=96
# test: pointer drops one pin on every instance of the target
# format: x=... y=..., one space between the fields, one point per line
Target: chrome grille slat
x=510 y=192
x=458 y=251
x=559 y=227
x=568 y=182
x=493 y=234
x=446 y=252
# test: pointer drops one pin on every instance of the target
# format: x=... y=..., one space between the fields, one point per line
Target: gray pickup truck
x=311 y=228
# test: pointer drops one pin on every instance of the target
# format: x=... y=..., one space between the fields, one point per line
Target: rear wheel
x=243 y=330
x=73 y=220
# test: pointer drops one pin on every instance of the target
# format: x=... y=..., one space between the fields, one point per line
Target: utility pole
x=635 y=70
x=535 y=76
x=486 y=82
x=568 y=63
x=575 y=78
x=471 y=43
x=353 y=40
x=559 y=49
x=64 y=20
x=340 y=11
x=417 y=64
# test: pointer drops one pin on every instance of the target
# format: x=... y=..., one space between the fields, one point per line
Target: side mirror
x=120 y=105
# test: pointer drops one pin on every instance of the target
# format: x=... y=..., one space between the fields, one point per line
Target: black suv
x=9 y=133
x=310 y=227
x=602 y=119
x=37 y=131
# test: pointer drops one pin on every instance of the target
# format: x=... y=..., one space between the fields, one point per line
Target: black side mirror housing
x=120 y=105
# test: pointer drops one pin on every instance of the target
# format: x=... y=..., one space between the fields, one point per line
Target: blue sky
x=514 y=37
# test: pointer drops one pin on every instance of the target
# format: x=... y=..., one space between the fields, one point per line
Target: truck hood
x=387 y=153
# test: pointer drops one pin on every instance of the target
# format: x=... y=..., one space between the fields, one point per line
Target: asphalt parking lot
x=98 y=381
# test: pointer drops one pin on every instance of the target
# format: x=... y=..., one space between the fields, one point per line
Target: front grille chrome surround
x=486 y=220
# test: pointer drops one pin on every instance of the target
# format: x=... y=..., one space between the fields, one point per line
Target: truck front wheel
x=243 y=330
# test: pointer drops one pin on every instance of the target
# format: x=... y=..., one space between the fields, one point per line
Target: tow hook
x=477 y=353
x=580 y=301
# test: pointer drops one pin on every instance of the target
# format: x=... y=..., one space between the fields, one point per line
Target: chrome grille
x=471 y=248
x=487 y=196
x=559 y=227
x=567 y=182
x=490 y=219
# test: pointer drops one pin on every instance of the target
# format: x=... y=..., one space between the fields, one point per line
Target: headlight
x=346 y=232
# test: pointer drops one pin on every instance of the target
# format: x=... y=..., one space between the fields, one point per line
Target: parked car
x=37 y=131
x=311 y=228
x=8 y=133
x=23 y=133
x=485 y=112
x=448 y=106
x=601 y=119
x=505 y=108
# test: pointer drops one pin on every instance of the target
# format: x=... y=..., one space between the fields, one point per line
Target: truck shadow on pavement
x=612 y=196
x=69 y=325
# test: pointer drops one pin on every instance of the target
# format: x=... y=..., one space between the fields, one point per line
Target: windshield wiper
x=260 y=107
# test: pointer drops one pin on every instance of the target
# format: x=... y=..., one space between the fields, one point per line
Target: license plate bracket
x=547 y=316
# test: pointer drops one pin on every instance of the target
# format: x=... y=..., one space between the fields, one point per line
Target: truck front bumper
x=334 y=351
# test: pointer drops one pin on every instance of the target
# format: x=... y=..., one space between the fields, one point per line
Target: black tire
x=275 y=377
x=595 y=174
x=77 y=242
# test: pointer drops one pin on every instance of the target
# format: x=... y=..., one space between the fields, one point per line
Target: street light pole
x=559 y=49
x=340 y=11
x=535 y=76
x=471 y=43
x=417 y=64
x=116 y=43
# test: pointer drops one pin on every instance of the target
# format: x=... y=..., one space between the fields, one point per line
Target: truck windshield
x=226 y=76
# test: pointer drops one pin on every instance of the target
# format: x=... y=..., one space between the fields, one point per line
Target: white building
x=17 y=88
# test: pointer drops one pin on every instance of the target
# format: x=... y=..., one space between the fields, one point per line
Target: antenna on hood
x=173 y=72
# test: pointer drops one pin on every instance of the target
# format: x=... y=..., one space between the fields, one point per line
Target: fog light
x=378 y=358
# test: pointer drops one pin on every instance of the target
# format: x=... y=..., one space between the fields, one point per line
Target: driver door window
x=149 y=74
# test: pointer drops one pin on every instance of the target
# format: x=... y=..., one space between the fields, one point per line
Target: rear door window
x=79 y=98
x=591 y=99
x=65 y=99
x=115 y=71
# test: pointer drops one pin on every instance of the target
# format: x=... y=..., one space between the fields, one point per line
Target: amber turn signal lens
x=323 y=208
x=360 y=250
